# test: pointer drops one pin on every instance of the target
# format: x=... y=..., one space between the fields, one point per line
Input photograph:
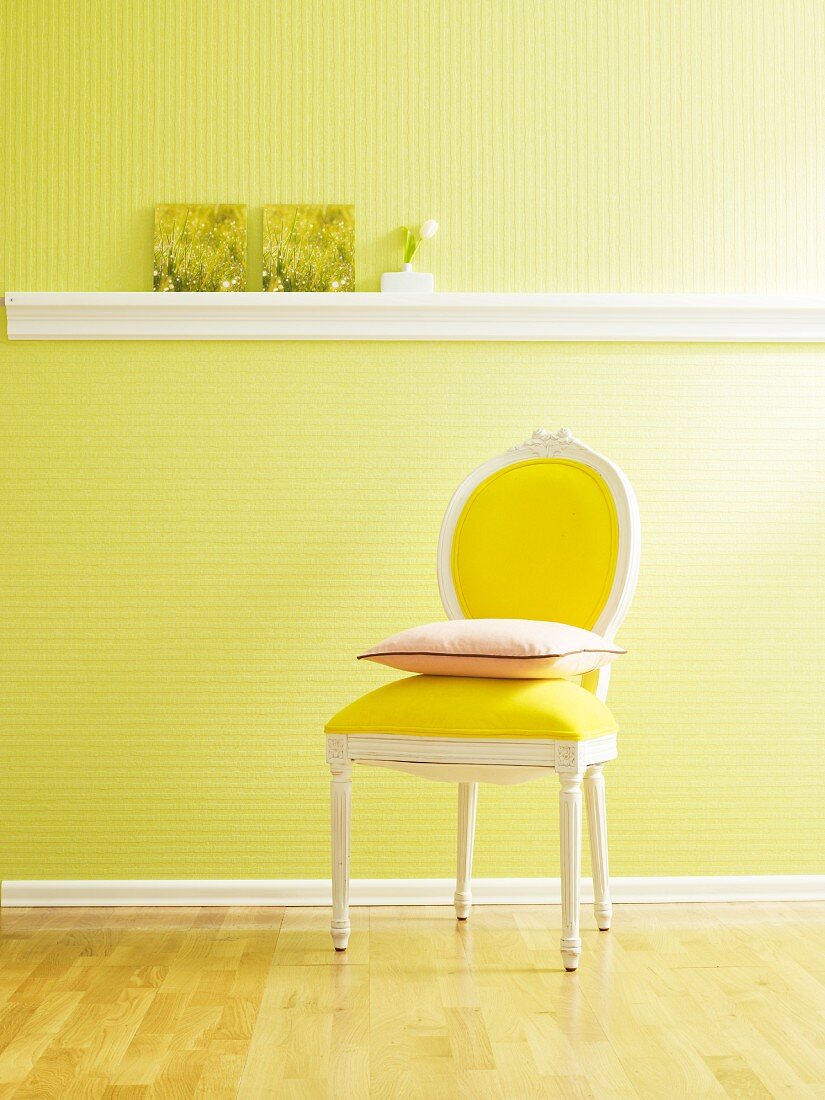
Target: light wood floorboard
x=724 y=1001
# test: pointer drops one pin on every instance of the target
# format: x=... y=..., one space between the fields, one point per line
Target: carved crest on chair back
x=547 y=444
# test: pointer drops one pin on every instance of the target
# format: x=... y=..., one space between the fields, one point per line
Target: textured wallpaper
x=564 y=145
x=198 y=538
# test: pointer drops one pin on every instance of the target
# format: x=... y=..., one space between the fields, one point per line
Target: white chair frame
x=468 y=762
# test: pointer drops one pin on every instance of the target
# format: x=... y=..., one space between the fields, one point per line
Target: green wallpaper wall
x=197 y=538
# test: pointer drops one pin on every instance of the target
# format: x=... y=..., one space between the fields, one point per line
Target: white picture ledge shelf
x=259 y=316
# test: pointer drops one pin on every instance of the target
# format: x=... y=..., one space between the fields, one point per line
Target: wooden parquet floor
x=698 y=1001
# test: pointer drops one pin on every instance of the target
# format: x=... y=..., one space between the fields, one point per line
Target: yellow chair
x=548 y=531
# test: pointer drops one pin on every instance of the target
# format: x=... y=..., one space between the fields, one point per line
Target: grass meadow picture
x=199 y=247
x=309 y=248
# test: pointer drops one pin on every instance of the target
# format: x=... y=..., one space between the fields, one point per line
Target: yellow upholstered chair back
x=549 y=530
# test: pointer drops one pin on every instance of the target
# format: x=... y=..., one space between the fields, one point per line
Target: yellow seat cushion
x=460 y=706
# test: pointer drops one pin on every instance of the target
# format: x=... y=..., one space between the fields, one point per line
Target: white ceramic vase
x=407 y=281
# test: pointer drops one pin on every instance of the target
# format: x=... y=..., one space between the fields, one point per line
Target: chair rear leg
x=467 y=799
x=597 y=828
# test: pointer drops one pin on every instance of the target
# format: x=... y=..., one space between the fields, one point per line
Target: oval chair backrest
x=549 y=530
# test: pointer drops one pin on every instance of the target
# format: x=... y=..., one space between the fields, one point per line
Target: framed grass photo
x=199 y=247
x=309 y=248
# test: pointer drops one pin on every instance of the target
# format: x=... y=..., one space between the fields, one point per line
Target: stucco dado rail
x=563 y=317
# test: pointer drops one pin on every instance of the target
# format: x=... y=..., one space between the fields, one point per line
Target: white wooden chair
x=548 y=531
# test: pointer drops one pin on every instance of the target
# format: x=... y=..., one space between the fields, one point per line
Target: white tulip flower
x=412 y=240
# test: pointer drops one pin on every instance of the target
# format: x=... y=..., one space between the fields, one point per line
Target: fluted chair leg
x=570 y=836
x=341 y=805
x=467 y=799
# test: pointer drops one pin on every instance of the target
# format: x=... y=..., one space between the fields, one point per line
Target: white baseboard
x=403 y=891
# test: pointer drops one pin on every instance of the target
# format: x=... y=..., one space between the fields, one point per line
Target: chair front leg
x=570 y=836
x=467 y=798
x=597 y=828
x=341 y=805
